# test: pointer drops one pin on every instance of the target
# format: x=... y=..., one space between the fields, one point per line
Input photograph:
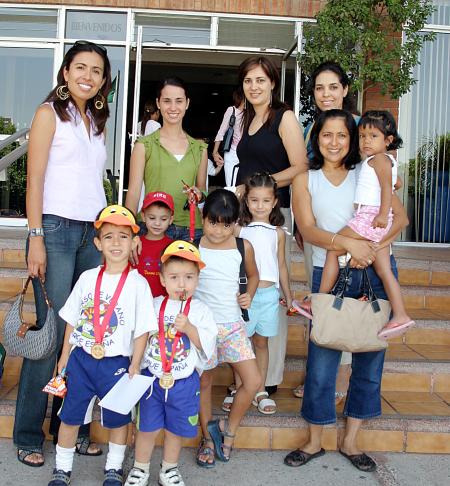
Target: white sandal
x=265 y=402
x=228 y=401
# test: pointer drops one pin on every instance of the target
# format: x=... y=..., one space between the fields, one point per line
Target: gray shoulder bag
x=25 y=339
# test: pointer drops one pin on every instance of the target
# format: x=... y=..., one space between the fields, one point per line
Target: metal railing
x=15 y=154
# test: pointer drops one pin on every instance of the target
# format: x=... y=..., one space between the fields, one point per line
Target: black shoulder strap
x=232 y=120
x=242 y=274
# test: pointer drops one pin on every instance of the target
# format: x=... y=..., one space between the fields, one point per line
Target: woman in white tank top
x=66 y=160
x=322 y=201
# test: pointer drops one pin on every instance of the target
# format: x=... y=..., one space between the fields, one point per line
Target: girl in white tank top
x=261 y=220
x=219 y=289
x=373 y=217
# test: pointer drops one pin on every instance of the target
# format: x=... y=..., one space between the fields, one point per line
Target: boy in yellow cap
x=109 y=315
x=185 y=340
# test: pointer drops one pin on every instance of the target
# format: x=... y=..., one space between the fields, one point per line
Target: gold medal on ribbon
x=98 y=351
x=166 y=381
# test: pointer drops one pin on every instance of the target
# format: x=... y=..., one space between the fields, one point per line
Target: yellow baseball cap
x=118 y=215
x=185 y=250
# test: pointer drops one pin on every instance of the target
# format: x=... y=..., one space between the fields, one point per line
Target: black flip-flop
x=361 y=461
x=299 y=458
x=82 y=447
x=22 y=455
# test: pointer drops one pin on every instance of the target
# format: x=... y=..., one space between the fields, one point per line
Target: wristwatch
x=36 y=232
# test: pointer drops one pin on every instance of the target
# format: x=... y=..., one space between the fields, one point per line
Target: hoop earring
x=99 y=103
x=61 y=93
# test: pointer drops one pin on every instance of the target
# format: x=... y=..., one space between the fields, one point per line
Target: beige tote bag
x=348 y=324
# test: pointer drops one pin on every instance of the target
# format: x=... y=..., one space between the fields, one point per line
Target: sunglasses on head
x=88 y=43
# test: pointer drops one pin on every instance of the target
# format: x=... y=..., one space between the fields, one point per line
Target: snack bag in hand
x=57 y=386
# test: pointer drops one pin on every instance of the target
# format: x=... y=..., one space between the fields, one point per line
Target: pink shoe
x=393 y=329
x=303 y=308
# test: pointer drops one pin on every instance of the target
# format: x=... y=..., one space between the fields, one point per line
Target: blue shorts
x=88 y=378
x=179 y=414
x=263 y=313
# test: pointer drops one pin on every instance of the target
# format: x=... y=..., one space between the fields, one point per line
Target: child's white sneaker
x=170 y=477
x=137 y=477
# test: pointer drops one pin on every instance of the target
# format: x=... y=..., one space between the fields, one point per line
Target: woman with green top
x=169 y=157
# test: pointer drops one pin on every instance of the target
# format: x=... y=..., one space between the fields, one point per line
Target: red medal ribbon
x=99 y=329
x=167 y=363
x=193 y=200
x=192 y=207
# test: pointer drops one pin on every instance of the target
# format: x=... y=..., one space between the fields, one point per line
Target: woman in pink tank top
x=66 y=159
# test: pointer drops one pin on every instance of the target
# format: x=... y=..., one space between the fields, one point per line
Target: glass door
x=26 y=77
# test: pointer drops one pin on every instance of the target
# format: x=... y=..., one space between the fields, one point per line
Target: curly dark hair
x=352 y=158
x=261 y=179
x=100 y=116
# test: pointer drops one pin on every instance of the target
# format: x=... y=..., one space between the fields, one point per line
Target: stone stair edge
x=12 y=243
x=297 y=363
x=409 y=423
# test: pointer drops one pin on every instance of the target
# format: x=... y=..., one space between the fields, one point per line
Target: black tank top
x=264 y=152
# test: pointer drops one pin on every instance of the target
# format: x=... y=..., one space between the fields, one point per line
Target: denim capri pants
x=363 y=397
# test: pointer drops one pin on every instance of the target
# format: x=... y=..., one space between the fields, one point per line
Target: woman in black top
x=272 y=141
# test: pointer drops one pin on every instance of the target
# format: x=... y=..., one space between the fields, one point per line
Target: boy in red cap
x=157 y=214
x=109 y=316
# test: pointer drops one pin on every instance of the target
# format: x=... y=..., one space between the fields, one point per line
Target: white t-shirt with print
x=187 y=356
x=133 y=314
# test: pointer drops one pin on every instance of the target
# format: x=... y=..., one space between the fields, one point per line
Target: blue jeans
x=182 y=233
x=363 y=397
x=70 y=251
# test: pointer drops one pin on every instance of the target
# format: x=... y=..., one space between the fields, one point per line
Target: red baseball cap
x=159 y=196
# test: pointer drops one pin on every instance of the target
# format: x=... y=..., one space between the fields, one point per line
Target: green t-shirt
x=163 y=172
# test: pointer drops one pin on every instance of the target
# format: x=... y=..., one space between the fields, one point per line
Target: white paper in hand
x=124 y=395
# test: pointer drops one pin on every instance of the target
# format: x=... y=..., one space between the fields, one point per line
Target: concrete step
x=411 y=422
x=399 y=375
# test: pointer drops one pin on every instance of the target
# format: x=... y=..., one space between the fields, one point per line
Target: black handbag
x=228 y=137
